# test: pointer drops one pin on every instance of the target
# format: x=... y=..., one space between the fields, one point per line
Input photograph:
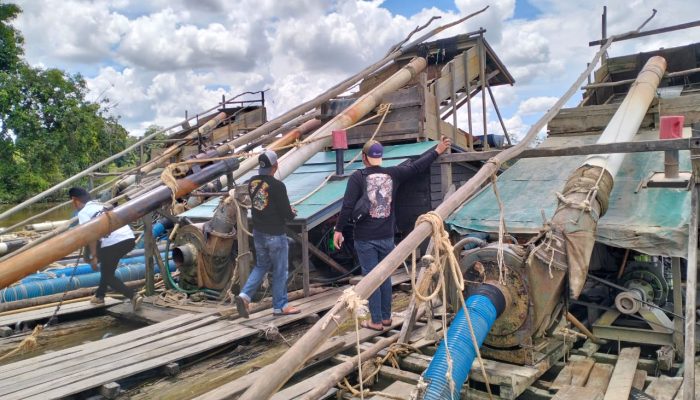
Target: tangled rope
x=372 y=368
x=358 y=307
x=443 y=256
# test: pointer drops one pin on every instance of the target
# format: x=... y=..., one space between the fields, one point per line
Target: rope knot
x=354 y=303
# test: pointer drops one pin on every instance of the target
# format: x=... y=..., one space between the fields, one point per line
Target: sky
x=156 y=59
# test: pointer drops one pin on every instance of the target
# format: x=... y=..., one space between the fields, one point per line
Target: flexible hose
x=483 y=314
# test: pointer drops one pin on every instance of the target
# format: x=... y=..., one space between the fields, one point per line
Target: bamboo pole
x=337 y=373
x=317 y=334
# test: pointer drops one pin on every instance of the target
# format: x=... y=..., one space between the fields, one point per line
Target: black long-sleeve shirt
x=382 y=184
x=270 y=204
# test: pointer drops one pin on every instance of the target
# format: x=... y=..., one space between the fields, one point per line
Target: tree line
x=48 y=129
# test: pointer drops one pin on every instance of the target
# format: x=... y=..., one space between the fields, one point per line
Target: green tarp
x=650 y=220
x=309 y=176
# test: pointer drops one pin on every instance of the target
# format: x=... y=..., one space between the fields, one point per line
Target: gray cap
x=266 y=161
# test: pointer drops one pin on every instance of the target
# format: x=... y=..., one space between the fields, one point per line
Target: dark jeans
x=109 y=259
x=370 y=253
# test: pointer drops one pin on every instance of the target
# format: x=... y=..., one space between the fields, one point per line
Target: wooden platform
x=78 y=369
x=11 y=319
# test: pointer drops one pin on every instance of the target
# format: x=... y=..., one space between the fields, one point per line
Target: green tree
x=10 y=40
x=48 y=130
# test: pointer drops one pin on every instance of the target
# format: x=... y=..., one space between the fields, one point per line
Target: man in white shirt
x=107 y=251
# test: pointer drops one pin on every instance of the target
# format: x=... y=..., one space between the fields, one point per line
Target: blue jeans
x=271 y=255
x=370 y=253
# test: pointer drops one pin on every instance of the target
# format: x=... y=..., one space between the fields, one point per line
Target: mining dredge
x=566 y=270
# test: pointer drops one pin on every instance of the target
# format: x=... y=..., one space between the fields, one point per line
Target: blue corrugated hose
x=52 y=286
x=81 y=269
x=483 y=314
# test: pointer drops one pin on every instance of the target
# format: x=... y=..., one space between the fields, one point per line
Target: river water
x=63 y=213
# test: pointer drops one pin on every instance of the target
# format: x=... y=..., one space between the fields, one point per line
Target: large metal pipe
x=60 y=246
x=625 y=123
x=287 y=139
x=361 y=107
x=587 y=191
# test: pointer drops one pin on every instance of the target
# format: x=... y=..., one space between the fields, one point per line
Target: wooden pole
x=337 y=373
x=690 y=299
x=678 y=341
x=317 y=334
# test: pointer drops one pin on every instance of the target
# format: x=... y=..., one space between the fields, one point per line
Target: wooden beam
x=628 y=81
x=633 y=35
x=690 y=290
x=623 y=375
x=620 y=147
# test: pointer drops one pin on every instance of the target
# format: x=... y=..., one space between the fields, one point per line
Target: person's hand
x=444 y=144
x=93 y=263
x=294 y=210
x=338 y=239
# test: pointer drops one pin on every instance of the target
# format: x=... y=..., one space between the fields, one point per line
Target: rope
x=444 y=257
x=30 y=342
x=501 y=232
x=394 y=351
x=358 y=307
x=383 y=110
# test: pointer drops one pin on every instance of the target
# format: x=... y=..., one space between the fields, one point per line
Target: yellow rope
x=27 y=344
x=358 y=307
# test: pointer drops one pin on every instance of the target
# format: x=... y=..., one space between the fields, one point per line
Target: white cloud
x=156 y=59
x=536 y=105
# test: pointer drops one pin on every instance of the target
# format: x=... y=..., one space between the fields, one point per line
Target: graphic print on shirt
x=261 y=197
x=379 y=191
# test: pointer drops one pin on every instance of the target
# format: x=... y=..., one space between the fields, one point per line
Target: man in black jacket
x=270 y=210
x=374 y=233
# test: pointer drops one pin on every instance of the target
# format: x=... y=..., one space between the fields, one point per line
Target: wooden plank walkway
x=77 y=369
x=46 y=312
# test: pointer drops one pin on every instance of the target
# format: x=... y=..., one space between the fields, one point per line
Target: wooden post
x=305 y=259
x=244 y=250
x=677 y=306
x=498 y=113
x=295 y=357
x=468 y=88
x=148 y=254
x=690 y=294
x=482 y=76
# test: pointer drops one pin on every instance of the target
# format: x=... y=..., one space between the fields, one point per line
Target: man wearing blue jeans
x=376 y=187
x=270 y=210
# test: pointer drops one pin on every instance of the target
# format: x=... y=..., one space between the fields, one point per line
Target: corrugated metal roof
x=649 y=220
x=326 y=201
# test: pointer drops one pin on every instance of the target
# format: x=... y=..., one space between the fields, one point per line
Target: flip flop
x=242 y=307
x=366 y=324
x=289 y=310
x=387 y=323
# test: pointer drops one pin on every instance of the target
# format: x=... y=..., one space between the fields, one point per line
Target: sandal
x=289 y=310
x=242 y=307
x=387 y=322
x=368 y=325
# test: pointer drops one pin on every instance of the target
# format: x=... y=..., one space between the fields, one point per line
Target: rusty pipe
x=54 y=249
x=287 y=139
x=361 y=107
